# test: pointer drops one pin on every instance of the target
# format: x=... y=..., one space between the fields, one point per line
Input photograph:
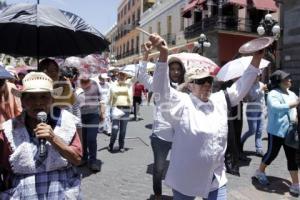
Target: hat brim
x=55 y=92
x=287 y=75
x=173 y=59
x=199 y=76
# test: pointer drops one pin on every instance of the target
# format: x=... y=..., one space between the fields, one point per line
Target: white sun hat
x=35 y=82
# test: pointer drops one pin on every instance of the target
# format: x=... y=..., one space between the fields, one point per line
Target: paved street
x=127 y=176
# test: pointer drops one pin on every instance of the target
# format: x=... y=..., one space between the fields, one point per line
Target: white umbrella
x=74 y=62
x=129 y=69
x=236 y=68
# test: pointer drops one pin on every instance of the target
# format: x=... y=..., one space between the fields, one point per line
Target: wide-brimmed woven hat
x=35 y=82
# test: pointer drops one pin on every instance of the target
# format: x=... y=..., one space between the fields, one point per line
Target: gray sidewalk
x=127 y=176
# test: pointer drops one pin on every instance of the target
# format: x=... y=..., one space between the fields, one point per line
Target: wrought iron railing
x=230 y=23
x=127 y=54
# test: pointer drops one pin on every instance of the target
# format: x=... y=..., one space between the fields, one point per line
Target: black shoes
x=110 y=148
x=233 y=170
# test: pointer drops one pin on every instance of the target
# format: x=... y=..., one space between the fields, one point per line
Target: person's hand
x=159 y=43
x=44 y=131
x=146 y=47
x=265 y=88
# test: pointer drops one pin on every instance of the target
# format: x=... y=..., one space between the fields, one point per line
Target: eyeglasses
x=203 y=80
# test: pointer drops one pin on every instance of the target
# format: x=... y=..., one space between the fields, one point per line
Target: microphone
x=42 y=117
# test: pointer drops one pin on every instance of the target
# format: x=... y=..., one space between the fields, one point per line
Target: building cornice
x=156 y=10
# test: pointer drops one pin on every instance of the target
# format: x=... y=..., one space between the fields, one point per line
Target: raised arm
x=241 y=87
x=142 y=75
x=169 y=101
x=161 y=82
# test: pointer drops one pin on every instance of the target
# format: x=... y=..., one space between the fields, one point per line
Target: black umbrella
x=37 y=30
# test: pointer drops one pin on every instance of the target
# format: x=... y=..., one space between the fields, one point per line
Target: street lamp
x=202 y=42
x=112 y=59
x=269 y=27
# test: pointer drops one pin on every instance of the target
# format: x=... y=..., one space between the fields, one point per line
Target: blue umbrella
x=4 y=74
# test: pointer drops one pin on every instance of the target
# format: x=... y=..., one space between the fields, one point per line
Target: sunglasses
x=203 y=80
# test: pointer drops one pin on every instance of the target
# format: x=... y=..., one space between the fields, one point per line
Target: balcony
x=127 y=54
x=229 y=23
x=170 y=38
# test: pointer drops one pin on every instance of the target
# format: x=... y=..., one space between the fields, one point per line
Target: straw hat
x=195 y=73
x=35 y=82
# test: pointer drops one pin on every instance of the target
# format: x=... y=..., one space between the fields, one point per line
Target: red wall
x=229 y=45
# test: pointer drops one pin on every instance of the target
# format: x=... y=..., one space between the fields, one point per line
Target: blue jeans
x=255 y=124
x=119 y=125
x=218 y=194
x=90 y=124
x=160 y=150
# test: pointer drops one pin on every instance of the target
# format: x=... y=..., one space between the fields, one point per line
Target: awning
x=265 y=5
x=187 y=10
x=238 y=2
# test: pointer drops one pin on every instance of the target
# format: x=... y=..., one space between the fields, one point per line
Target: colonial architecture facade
x=127 y=40
x=227 y=24
x=164 y=18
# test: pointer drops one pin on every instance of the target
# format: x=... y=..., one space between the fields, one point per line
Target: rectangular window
x=181 y=20
x=133 y=19
x=150 y=29
x=132 y=45
x=158 y=28
x=138 y=14
x=137 y=44
x=169 y=24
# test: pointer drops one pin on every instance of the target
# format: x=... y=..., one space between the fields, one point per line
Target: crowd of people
x=195 y=122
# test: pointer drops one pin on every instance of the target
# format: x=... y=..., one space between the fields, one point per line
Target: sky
x=101 y=14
